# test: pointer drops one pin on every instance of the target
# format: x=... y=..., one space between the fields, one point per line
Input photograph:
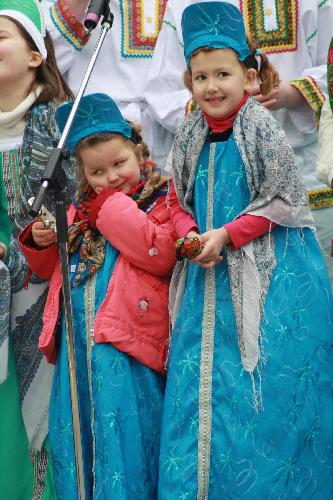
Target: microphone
x=96 y=9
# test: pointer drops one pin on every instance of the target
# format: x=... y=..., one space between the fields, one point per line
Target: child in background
x=30 y=89
x=121 y=246
x=248 y=403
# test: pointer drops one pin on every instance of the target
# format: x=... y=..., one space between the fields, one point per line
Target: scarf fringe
x=40 y=462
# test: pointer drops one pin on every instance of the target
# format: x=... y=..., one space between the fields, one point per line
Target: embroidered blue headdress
x=97 y=113
x=218 y=25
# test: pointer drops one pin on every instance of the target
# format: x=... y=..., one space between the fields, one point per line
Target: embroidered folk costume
x=248 y=402
x=121 y=257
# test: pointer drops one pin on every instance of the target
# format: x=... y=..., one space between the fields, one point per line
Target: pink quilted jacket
x=134 y=314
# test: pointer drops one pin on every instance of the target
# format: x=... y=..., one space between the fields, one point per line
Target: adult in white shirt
x=122 y=65
x=325 y=147
x=295 y=34
x=324 y=167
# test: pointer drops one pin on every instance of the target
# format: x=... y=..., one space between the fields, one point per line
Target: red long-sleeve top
x=241 y=231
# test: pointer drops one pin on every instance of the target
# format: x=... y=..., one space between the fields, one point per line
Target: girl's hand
x=98 y=189
x=188 y=247
x=42 y=236
x=2 y=252
x=193 y=234
x=213 y=241
x=284 y=96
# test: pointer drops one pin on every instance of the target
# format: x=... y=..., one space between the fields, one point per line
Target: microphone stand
x=54 y=178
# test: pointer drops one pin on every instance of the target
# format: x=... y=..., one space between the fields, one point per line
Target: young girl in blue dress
x=121 y=248
x=248 y=407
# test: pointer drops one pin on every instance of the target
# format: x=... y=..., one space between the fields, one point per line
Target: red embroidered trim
x=72 y=21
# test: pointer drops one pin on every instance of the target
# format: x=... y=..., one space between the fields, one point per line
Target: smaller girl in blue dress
x=248 y=410
x=121 y=246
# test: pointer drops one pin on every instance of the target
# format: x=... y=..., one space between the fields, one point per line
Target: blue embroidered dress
x=120 y=407
x=285 y=449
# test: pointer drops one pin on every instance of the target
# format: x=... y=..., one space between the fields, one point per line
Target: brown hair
x=47 y=73
x=267 y=75
x=100 y=137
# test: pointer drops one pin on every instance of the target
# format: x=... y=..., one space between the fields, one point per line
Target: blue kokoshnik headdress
x=97 y=113
x=218 y=25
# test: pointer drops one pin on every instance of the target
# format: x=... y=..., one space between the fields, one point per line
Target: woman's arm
x=63 y=19
x=78 y=7
x=304 y=95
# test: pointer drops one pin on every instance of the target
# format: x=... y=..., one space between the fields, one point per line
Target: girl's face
x=17 y=60
x=219 y=81
x=112 y=164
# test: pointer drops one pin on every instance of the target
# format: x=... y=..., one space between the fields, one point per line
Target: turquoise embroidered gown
x=120 y=408
x=285 y=451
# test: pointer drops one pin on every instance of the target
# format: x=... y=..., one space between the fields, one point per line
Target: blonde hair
x=93 y=140
x=267 y=75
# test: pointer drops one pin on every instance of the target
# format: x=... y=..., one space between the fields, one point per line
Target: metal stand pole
x=54 y=178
